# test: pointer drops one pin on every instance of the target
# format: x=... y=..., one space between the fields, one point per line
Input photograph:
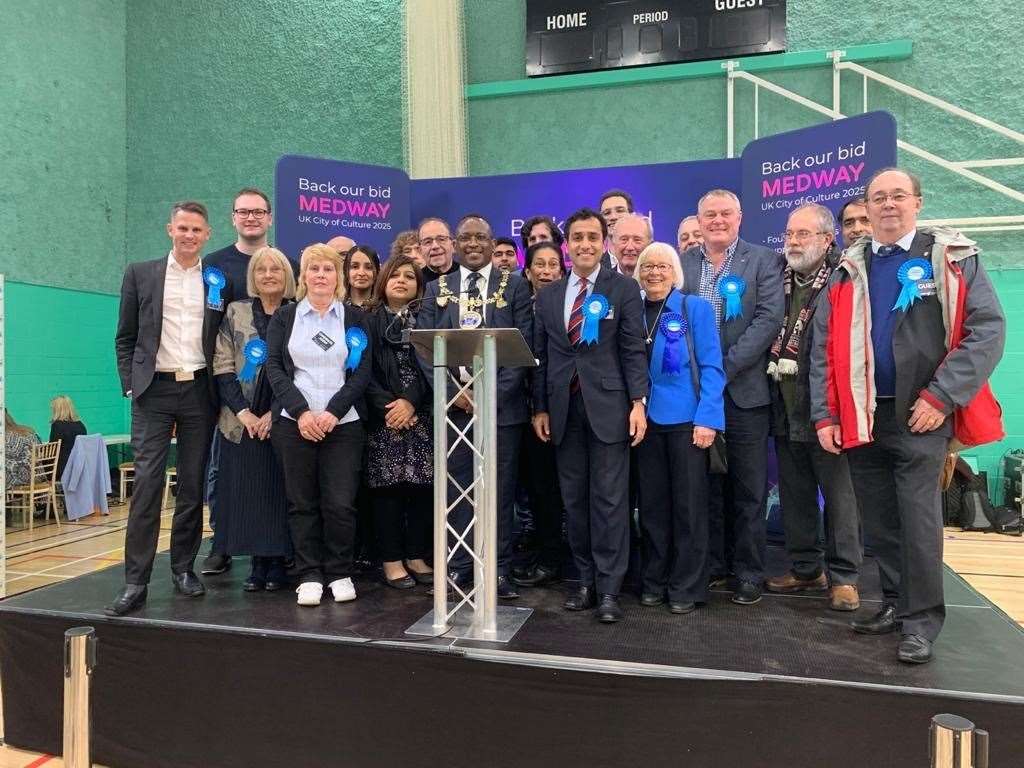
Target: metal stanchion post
x=79 y=663
x=951 y=742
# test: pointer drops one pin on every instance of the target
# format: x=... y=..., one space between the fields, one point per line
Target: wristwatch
x=641 y=400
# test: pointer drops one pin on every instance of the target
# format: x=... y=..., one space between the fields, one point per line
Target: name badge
x=926 y=287
x=611 y=313
x=323 y=341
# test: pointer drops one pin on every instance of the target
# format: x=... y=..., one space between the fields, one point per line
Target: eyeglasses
x=426 y=242
x=655 y=267
x=469 y=237
x=256 y=213
x=896 y=197
x=801 y=234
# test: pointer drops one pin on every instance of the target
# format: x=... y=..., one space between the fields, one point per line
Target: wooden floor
x=992 y=564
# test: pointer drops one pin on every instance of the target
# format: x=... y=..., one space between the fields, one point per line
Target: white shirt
x=181 y=330
x=319 y=372
x=465 y=284
x=904 y=242
x=574 y=288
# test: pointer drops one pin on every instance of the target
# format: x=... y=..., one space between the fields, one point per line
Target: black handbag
x=718 y=462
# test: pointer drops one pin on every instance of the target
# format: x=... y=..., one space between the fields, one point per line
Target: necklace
x=654 y=329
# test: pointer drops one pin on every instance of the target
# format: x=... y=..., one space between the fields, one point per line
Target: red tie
x=576 y=329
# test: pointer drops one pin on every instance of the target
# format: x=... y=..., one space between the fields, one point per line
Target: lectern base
x=507 y=622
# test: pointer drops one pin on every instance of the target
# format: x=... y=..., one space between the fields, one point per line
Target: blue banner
x=828 y=164
x=317 y=199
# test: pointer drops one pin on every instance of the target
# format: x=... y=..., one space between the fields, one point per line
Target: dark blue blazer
x=612 y=372
x=517 y=313
x=747 y=339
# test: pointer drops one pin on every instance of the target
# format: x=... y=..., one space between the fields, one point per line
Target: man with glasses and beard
x=804 y=466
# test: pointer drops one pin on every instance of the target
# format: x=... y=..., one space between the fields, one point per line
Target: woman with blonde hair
x=64 y=426
x=318 y=363
x=252 y=516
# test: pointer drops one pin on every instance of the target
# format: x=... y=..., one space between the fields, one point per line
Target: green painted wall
x=62 y=137
x=61 y=342
x=219 y=89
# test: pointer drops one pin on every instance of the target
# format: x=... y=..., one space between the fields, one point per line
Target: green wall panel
x=217 y=91
x=62 y=137
x=61 y=342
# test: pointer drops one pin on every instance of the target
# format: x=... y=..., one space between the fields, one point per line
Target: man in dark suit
x=743 y=282
x=588 y=397
x=476 y=295
x=166 y=330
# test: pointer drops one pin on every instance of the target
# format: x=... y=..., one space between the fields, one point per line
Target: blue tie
x=889 y=250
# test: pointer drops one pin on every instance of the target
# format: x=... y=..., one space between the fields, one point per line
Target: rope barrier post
x=79 y=663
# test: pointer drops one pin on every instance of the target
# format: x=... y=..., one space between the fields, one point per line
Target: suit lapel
x=454 y=285
x=158 y=276
x=492 y=287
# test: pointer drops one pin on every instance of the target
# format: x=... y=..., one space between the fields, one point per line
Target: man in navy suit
x=743 y=282
x=166 y=331
x=478 y=294
x=589 y=398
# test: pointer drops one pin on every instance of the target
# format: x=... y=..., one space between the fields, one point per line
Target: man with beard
x=504 y=255
x=804 y=466
x=854 y=221
x=478 y=295
x=437 y=248
x=632 y=234
x=688 y=234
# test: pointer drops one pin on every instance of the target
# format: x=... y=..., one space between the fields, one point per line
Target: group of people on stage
x=663 y=369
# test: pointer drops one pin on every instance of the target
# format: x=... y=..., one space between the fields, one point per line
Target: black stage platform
x=236 y=679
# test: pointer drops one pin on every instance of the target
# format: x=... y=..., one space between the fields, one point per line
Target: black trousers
x=165 y=408
x=460 y=467
x=737 y=523
x=594 y=477
x=539 y=473
x=403 y=521
x=673 y=480
x=321 y=481
x=896 y=479
x=803 y=469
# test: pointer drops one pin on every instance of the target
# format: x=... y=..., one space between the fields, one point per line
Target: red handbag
x=981 y=420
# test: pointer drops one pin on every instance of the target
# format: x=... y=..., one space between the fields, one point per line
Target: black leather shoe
x=608 y=612
x=882 y=623
x=747 y=593
x=461 y=579
x=421 y=577
x=506 y=589
x=718 y=581
x=215 y=563
x=580 y=600
x=254 y=583
x=535 y=576
x=277 y=576
x=402 y=582
x=650 y=599
x=130 y=598
x=681 y=608
x=914 y=649
x=188 y=584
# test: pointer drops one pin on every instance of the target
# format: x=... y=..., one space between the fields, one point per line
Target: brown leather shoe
x=844 y=598
x=790 y=582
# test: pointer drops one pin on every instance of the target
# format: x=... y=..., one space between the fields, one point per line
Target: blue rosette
x=731 y=288
x=910 y=274
x=673 y=328
x=215 y=282
x=255 y=354
x=356 y=341
x=595 y=309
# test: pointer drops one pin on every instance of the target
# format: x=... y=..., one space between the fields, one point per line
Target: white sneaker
x=343 y=590
x=309 y=592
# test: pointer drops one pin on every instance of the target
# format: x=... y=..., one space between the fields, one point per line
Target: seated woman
x=685 y=410
x=64 y=426
x=319 y=365
x=361 y=268
x=18 y=442
x=400 y=453
x=543 y=266
x=252 y=513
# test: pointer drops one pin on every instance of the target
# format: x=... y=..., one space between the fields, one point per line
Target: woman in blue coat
x=685 y=411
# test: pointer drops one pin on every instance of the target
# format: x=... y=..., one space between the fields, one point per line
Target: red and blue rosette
x=673 y=328
x=595 y=309
x=731 y=288
x=215 y=282
x=355 y=340
x=912 y=272
x=255 y=354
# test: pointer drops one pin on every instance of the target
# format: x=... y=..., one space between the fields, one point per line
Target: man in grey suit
x=166 y=330
x=743 y=282
x=589 y=399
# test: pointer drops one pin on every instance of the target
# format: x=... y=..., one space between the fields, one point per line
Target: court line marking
x=40 y=761
x=81 y=560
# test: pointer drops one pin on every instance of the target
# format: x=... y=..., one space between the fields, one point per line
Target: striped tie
x=576 y=329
